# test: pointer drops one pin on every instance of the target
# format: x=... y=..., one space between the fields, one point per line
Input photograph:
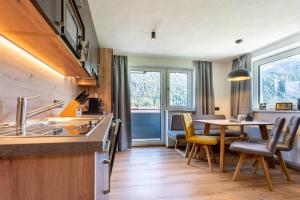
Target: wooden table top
x=228 y=123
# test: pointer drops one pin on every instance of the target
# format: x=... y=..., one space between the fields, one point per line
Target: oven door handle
x=107 y=162
x=106 y=146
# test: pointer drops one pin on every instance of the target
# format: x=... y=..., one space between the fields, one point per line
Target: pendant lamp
x=239 y=74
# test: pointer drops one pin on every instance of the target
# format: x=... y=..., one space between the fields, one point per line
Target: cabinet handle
x=107 y=162
x=59 y=23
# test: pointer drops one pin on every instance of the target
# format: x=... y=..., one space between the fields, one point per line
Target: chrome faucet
x=22 y=114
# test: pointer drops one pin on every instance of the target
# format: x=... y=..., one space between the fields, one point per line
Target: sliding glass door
x=146 y=86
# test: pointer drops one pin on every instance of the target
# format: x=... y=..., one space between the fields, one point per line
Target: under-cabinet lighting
x=12 y=46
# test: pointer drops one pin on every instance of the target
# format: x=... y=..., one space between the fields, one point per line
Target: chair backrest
x=188 y=125
x=275 y=132
x=291 y=131
x=177 y=123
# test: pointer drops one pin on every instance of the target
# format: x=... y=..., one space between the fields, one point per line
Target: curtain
x=241 y=102
x=121 y=100
x=205 y=102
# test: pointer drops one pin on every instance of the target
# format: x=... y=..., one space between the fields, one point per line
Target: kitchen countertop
x=14 y=146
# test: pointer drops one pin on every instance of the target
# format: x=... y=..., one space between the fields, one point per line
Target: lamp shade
x=239 y=74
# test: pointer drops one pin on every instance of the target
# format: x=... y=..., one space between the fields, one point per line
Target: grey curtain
x=121 y=100
x=241 y=90
x=205 y=102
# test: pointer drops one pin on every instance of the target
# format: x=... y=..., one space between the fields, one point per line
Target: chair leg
x=283 y=165
x=201 y=152
x=196 y=151
x=208 y=157
x=213 y=158
x=255 y=165
x=176 y=144
x=266 y=172
x=255 y=162
x=238 y=167
x=191 y=153
x=188 y=146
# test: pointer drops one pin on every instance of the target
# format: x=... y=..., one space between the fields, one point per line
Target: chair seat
x=216 y=133
x=181 y=134
x=202 y=139
x=280 y=145
x=250 y=148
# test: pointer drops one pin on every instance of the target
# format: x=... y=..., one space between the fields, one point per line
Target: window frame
x=257 y=76
x=190 y=88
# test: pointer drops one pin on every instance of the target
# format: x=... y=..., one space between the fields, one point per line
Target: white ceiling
x=196 y=29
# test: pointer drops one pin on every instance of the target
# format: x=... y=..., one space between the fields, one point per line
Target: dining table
x=223 y=124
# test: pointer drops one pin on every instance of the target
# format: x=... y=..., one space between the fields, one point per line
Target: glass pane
x=178 y=89
x=145 y=91
x=280 y=81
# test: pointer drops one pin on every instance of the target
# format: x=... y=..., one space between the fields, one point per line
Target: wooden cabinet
x=52 y=12
x=26 y=27
x=75 y=176
x=106 y=70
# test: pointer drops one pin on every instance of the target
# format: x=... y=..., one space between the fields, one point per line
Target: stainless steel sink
x=53 y=126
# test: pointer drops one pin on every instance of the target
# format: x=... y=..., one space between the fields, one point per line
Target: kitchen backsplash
x=20 y=76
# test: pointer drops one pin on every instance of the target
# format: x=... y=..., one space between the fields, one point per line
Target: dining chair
x=286 y=144
x=259 y=151
x=197 y=141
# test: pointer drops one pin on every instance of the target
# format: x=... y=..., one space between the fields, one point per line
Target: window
x=279 y=78
x=180 y=90
x=145 y=89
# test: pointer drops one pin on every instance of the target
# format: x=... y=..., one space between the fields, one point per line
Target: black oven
x=72 y=29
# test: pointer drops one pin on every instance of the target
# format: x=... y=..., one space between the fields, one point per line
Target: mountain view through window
x=280 y=81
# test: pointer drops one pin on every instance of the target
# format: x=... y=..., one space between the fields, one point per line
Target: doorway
x=146 y=96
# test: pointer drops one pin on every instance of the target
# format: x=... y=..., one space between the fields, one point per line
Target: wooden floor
x=161 y=173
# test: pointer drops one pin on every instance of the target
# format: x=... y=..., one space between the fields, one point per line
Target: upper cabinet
x=93 y=61
x=55 y=31
x=72 y=20
x=52 y=11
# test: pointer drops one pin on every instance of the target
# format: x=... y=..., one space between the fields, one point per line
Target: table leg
x=242 y=132
x=222 y=148
x=206 y=128
x=265 y=135
x=264 y=132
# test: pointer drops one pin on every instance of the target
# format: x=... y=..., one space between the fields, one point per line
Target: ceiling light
x=153 y=35
x=239 y=74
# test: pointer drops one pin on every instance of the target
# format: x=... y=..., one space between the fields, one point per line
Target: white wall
x=146 y=61
x=222 y=87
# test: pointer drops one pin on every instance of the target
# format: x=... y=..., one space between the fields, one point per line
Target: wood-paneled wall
x=105 y=90
x=22 y=77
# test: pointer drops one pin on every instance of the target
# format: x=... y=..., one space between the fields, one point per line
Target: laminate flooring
x=150 y=173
